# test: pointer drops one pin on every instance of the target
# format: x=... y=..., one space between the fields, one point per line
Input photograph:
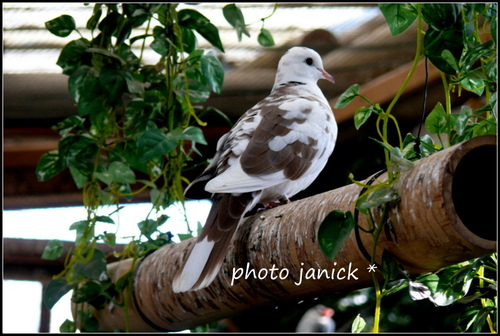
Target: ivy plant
x=460 y=40
x=137 y=128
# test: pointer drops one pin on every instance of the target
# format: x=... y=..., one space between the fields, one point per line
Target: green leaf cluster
x=136 y=129
x=460 y=40
x=235 y=18
x=470 y=283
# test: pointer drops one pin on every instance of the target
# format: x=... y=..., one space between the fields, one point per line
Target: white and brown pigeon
x=275 y=150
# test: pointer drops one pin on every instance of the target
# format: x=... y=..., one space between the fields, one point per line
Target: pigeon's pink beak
x=327 y=76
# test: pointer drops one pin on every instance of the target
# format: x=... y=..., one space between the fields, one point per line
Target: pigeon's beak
x=327 y=76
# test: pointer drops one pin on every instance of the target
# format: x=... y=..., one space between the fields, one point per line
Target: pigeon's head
x=301 y=64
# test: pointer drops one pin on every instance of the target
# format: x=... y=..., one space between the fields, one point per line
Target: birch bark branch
x=277 y=256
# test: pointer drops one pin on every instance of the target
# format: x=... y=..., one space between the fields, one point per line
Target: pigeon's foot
x=271 y=205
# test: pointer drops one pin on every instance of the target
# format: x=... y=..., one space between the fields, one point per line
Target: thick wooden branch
x=446 y=215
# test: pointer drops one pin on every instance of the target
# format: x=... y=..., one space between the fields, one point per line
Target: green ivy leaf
x=454 y=283
x=398 y=16
x=211 y=34
x=462 y=120
x=265 y=38
x=188 y=40
x=129 y=153
x=147 y=227
x=49 y=166
x=474 y=85
x=448 y=57
x=195 y=20
x=82 y=233
x=436 y=42
x=61 y=26
x=104 y=176
x=473 y=52
x=197 y=92
x=105 y=219
x=67 y=327
x=154 y=143
x=398 y=163
x=333 y=231
x=441 y=16
x=109 y=239
x=94 y=19
x=161 y=44
x=396 y=286
x=430 y=280
x=213 y=72
x=376 y=198
x=124 y=281
x=427 y=146
x=72 y=55
x=358 y=324
x=111 y=23
x=184 y=236
x=68 y=125
x=389 y=268
x=191 y=19
x=96 y=294
x=113 y=58
x=485 y=127
x=361 y=116
x=235 y=18
x=78 y=151
x=87 y=292
x=437 y=121
x=79 y=178
x=85 y=87
x=113 y=83
x=55 y=290
x=348 y=95
x=95 y=268
x=53 y=250
x=121 y=172
x=127 y=57
x=83 y=81
x=191 y=133
x=481 y=318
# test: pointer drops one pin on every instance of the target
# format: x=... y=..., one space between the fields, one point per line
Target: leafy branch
x=461 y=42
x=136 y=130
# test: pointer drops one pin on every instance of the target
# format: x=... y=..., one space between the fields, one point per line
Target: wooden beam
x=427 y=232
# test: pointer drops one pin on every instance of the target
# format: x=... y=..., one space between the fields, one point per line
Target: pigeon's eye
x=309 y=61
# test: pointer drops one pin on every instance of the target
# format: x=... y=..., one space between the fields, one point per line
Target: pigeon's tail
x=210 y=248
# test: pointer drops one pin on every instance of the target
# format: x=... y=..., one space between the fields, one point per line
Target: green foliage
x=358 y=324
x=137 y=129
x=455 y=43
x=333 y=231
x=53 y=250
x=235 y=18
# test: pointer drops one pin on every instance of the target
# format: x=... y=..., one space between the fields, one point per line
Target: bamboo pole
x=275 y=256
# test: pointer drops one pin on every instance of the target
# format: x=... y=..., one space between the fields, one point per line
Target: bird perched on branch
x=275 y=150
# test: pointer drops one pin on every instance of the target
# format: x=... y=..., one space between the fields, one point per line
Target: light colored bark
x=424 y=234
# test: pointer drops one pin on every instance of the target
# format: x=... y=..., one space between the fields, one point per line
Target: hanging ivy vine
x=460 y=41
x=138 y=126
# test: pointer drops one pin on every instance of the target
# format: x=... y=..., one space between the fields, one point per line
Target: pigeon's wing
x=280 y=148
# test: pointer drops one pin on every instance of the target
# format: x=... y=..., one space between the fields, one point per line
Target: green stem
x=385 y=116
x=447 y=94
x=480 y=272
x=144 y=41
x=378 y=291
